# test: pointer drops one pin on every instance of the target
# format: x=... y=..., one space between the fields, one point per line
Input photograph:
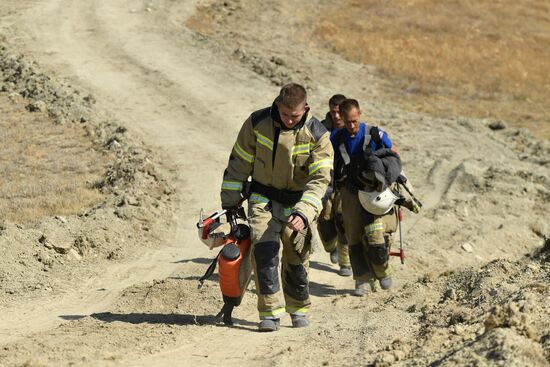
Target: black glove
x=231 y=211
x=234 y=212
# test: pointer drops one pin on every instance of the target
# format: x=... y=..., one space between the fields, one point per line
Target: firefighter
x=288 y=156
x=330 y=225
x=368 y=234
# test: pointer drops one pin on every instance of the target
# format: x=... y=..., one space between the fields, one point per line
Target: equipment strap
x=209 y=271
x=275 y=144
x=375 y=136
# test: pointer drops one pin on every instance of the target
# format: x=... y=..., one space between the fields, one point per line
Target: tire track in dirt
x=72 y=35
x=145 y=68
x=146 y=79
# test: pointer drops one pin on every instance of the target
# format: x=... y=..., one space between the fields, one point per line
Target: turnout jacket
x=327 y=122
x=296 y=161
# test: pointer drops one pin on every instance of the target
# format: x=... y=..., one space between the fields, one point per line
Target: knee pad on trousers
x=358 y=263
x=378 y=254
x=266 y=255
x=296 y=283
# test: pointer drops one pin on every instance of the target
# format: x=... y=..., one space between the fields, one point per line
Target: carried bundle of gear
x=235 y=268
x=378 y=177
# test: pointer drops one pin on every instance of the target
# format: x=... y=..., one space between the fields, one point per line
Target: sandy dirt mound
x=497 y=314
x=56 y=254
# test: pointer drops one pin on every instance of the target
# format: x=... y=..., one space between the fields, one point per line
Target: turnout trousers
x=331 y=217
x=369 y=238
x=285 y=288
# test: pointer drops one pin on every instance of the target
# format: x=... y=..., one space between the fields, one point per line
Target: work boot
x=360 y=288
x=334 y=256
x=299 y=320
x=345 y=271
x=269 y=325
x=386 y=283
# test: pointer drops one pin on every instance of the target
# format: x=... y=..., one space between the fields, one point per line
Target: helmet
x=377 y=202
x=211 y=231
x=216 y=234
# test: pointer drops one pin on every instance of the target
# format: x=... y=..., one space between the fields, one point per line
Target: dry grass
x=475 y=58
x=46 y=169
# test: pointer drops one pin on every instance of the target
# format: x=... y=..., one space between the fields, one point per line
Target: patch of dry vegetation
x=47 y=169
x=473 y=58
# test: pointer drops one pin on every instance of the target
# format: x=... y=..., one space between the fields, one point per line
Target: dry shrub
x=46 y=169
x=479 y=58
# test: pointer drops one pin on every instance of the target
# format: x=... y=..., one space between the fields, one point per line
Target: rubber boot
x=269 y=325
x=345 y=271
x=386 y=283
x=334 y=256
x=360 y=288
x=299 y=321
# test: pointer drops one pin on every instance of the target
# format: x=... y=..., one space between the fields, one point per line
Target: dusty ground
x=186 y=94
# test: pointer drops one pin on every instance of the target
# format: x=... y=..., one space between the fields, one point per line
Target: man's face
x=334 y=111
x=291 y=116
x=352 y=120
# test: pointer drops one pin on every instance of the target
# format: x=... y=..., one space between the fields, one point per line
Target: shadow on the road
x=197 y=260
x=325 y=290
x=72 y=317
x=169 y=319
x=212 y=278
x=320 y=266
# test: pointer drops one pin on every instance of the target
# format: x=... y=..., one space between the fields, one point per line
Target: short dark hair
x=292 y=95
x=348 y=104
x=336 y=99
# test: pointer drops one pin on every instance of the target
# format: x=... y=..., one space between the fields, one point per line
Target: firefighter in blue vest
x=367 y=234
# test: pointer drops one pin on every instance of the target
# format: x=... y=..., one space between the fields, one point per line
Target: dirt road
x=186 y=96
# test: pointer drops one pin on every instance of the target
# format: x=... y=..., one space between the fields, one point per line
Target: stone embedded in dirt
x=45 y=259
x=38 y=106
x=131 y=200
x=55 y=237
x=44 y=241
x=61 y=218
x=73 y=254
x=384 y=360
x=62 y=247
x=497 y=125
x=467 y=247
x=277 y=60
x=534 y=267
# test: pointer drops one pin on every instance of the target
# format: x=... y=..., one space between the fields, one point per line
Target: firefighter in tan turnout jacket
x=330 y=224
x=288 y=155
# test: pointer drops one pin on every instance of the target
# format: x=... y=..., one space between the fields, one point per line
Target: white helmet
x=377 y=202
x=216 y=234
x=211 y=231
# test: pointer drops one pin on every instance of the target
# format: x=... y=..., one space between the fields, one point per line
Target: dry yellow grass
x=481 y=58
x=46 y=169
